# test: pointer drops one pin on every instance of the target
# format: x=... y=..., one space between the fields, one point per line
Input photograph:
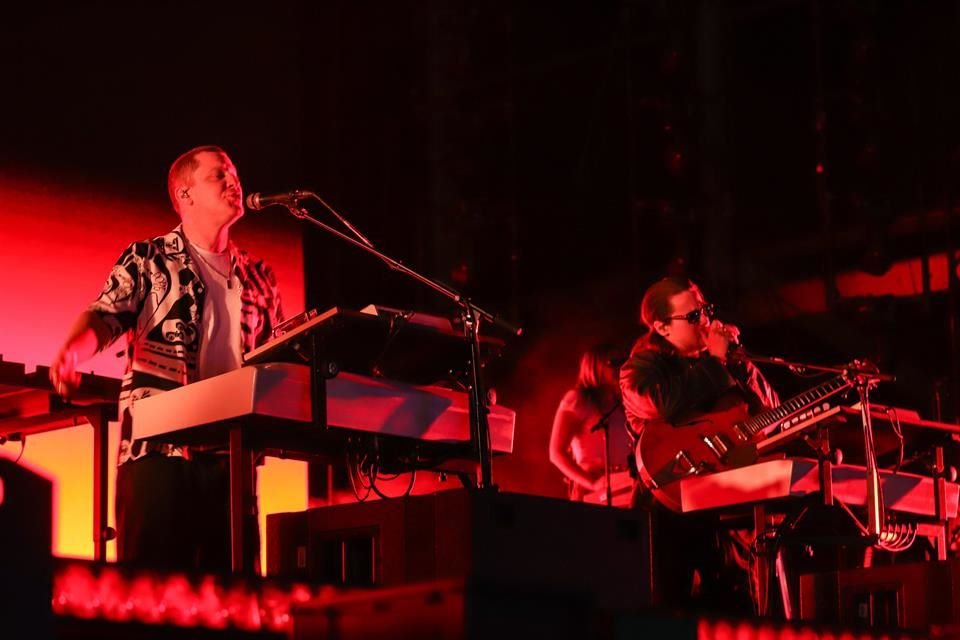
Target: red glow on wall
x=806 y=297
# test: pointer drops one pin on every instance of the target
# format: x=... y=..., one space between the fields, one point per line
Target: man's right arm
x=112 y=314
x=87 y=337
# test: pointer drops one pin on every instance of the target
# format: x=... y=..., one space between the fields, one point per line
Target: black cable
x=23 y=447
x=894 y=419
x=14 y=437
x=373 y=484
x=355 y=463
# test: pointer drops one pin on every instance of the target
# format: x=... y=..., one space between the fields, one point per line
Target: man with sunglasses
x=681 y=366
x=678 y=369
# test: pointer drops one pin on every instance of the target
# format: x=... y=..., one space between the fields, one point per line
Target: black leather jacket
x=659 y=384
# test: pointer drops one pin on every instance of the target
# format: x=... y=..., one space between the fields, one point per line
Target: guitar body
x=724 y=438
x=705 y=443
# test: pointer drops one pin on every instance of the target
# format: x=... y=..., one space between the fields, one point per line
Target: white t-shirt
x=588 y=448
x=220 y=344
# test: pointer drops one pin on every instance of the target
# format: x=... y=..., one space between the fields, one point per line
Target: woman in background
x=577 y=438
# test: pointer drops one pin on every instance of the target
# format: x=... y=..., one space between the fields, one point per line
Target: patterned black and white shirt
x=154 y=295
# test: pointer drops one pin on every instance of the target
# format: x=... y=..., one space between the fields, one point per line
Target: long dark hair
x=593 y=363
x=656 y=306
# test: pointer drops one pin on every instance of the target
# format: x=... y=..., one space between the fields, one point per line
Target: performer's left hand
x=719 y=338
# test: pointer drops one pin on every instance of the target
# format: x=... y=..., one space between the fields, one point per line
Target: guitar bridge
x=684 y=457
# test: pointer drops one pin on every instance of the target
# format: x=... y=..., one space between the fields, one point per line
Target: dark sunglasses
x=693 y=317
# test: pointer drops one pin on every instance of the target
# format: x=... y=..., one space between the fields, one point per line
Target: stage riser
x=451 y=609
x=467 y=609
x=506 y=538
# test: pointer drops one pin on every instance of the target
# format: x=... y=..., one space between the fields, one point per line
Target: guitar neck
x=794 y=405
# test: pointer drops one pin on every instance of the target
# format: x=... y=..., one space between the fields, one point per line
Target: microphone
x=735 y=349
x=258 y=201
x=737 y=352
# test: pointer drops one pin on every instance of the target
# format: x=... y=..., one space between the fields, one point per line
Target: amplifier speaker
x=500 y=537
x=26 y=568
x=906 y=596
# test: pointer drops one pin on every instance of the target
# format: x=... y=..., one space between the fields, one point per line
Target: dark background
x=550 y=159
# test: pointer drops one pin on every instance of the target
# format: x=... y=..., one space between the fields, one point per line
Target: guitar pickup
x=717 y=445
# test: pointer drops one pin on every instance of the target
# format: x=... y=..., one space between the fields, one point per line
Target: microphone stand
x=864 y=376
x=336 y=214
x=471 y=315
x=605 y=425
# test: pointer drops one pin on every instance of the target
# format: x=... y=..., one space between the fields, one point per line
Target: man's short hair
x=183 y=167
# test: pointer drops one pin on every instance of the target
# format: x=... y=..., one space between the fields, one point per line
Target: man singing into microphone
x=191 y=303
x=678 y=369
